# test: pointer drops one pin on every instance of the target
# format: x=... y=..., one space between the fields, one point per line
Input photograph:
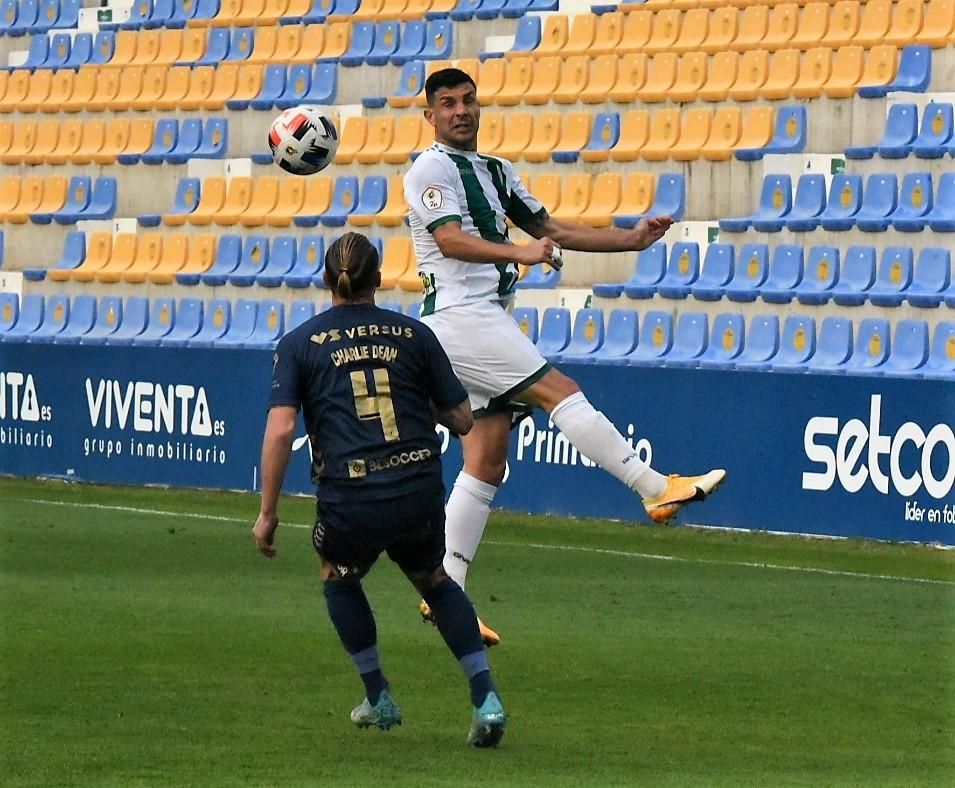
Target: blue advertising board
x=841 y=456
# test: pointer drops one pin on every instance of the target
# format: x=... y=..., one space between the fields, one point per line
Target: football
x=303 y=141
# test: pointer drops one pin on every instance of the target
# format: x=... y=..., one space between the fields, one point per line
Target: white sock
x=465 y=517
x=592 y=434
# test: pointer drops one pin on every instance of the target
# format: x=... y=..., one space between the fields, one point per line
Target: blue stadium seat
x=102 y=204
x=135 y=319
x=526 y=319
x=165 y=138
x=228 y=251
x=808 y=204
x=296 y=87
x=540 y=277
x=69 y=15
x=360 y=45
x=281 y=262
x=411 y=81
x=762 y=344
x=109 y=314
x=669 y=198
x=915 y=201
x=273 y=85
x=820 y=276
x=833 y=346
x=182 y=12
x=163 y=11
x=689 y=341
x=412 y=42
x=344 y=198
x=48 y=17
x=490 y=9
x=215 y=139
x=184 y=202
x=942 y=216
x=718 y=269
x=909 y=352
x=9 y=312
x=141 y=11
x=845 y=200
x=160 y=322
x=775 y=202
x=543 y=5
x=414 y=310
x=901 y=129
x=387 y=40
x=935 y=133
x=554 y=331
x=620 y=338
x=77 y=199
x=516 y=9
x=217 y=48
x=216 y=322
x=60 y=50
x=603 y=135
x=190 y=135
x=255 y=257
x=81 y=50
x=789 y=135
x=872 y=346
x=750 y=271
x=241 y=44
x=74 y=253
x=28 y=319
x=55 y=317
x=785 y=274
x=36 y=56
x=104 y=45
x=656 y=339
x=269 y=327
x=893 y=278
x=465 y=10
x=797 y=345
x=299 y=313
x=189 y=320
x=649 y=270
x=82 y=316
x=374 y=194
x=26 y=19
x=856 y=276
x=309 y=261
x=587 y=336
x=438 y=41
x=324 y=88
x=683 y=269
x=8 y=15
x=932 y=277
x=528 y=35
x=941 y=357
x=726 y=342
x=913 y=76
x=878 y=203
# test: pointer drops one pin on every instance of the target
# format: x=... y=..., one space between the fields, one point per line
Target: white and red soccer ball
x=303 y=141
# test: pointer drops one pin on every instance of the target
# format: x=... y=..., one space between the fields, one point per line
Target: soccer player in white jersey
x=459 y=203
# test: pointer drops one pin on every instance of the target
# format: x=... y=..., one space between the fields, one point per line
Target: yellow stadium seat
x=84 y=89
x=124 y=49
x=410 y=280
x=553 y=37
x=24 y=138
x=724 y=134
x=812 y=27
x=575 y=131
x=175 y=253
x=237 y=198
x=193 y=45
x=847 y=64
x=263 y=50
x=15 y=90
x=881 y=63
x=396 y=207
x=637 y=26
x=224 y=85
x=47 y=137
x=367 y=10
x=581 y=38
x=201 y=79
x=265 y=195
x=248 y=83
x=602 y=78
x=9 y=193
x=337 y=39
x=574 y=74
x=634 y=132
x=40 y=84
x=781 y=27
x=147 y=47
x=751 y=75
x=753 y=23
x=518 y=130
x=720 y=78
x=200 y=254
x=545 y=77
x=843 y=25
x=721 y=33
x=631 y=77
x=130 y=85
x=413 y=10
x=289 y=203
x=229 y=10
x=92 y=142
x=381 y=132
x=313 y=42
x=907 y=20
x=6 y=135
x=53 y=199
x=693 y=30
x=395 y=261
x=520 y=71
x=405 y=140
x=491 y=132
x=287 y=44
x=938 y=24
x=154 y=87
x=469 y=65
x=660 y=78
x=141 y=133
x=117 y=140
x=608 y=34
x=318 y=195
x=99 y=248
x=874 y=24
x=544 y=139
x=256 y=12
x=427 y=137
x=666 y=28
x=757 y=128
x=575 y=193
x=690 y=78
x=61 y=90
x=170 y=47
x=814 y=72
x=124 y=253
x=211 y=199
x=71 y=135
x=31 y=197
x=694 y=134
x=546 y=188
x=637 y=194
x=353 y=139
x=149 y=253
x=604 y=200
x=664 y=134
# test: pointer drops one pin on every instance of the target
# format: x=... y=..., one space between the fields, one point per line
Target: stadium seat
x=253 y=324
x=228 y=251
x=554 y=331
x=908 y=354
x=845 y=200
x=82 y=316
x=526 y=319
x=785 y=274
x=586 y=338
x=374 y=194
x=73 y=255
x=164 y=141
x=236 y=202
x=344 y=199
x=539 y=277
x=235 y=89
x=856 y=276
x=942 y=216
x=749 y=273
x=721 y=76
x=893 y=278
x=408 y=129
x=690 y=77
x=159 y=323
x=353 y=138
x=649 y=270
x=574 y=133
x=941 y=359
x=689 y=340
x=544 y=138
x=915 y=201
x=133 y=269
x=808 y=204
x=938 y=24
x=288 y=205
x=901 y=129
x=797 y=344
x=133 y=322
x=821 y=274
x=871 y=349
x=281 y=262
x=574 y=76
x=396 y=207
x=881 y=76
x=631 y=77
x=634 y=132
x=379 y=137
x=265 y=195
x=603 y=137
x=318 y=199
x=29 y=317
x=750 y=76
x=439 y=40
x=661 y=74
x=299 y=313
x=216 y=322
x=187 y=321
x=775 y=203
x=935 y=134
x=395 y=261
x=718 y=269
x=833 y=346
x=387 y=41
x=361 y=42
x=9 y=312
x=723 y=24
x=664 y=134
x=216 y=49
x=37 y=54
x=601 y=79
x=724 y=134
x=252 y=261
x=682 y=271
x=81 y=50
x=604 y=201
x=214 y=141
x=931 y=278
x=762 y=344
x=879 y=201
x=309 y=262
x=655 y=341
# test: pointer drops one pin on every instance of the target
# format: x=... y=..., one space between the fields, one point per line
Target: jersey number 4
x=378 y=405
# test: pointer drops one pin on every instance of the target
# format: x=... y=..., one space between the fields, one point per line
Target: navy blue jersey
x=364 y=378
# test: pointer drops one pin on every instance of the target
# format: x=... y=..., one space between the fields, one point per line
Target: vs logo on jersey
x=432 y=198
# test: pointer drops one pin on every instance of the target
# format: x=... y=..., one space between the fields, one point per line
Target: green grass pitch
x=143 y=641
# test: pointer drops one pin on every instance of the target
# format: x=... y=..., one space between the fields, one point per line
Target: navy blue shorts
x=410 y=529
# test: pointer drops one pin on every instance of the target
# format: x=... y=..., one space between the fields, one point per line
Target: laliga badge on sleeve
x=432 y=198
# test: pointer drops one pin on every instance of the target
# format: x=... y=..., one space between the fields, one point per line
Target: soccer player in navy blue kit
x=371 y=384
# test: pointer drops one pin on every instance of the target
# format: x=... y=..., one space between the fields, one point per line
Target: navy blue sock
x=351 y=614
x=457 y=622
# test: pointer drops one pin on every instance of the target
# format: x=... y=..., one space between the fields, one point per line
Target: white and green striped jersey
x=446 y=184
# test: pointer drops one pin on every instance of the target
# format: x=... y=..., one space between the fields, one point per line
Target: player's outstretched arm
x=584 y=238
x=276 y=449
x=459 y=245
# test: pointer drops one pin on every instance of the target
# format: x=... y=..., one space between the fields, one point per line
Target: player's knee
x=489 y=470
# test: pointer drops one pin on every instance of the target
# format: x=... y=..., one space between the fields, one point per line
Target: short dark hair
x=446 y=78
x=351 y=266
